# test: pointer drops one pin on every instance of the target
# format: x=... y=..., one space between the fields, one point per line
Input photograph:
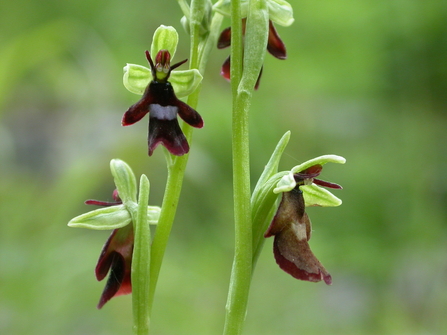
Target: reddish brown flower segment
x=275 y=47
x=292 y=229
x=160 y=101
x=116 y=257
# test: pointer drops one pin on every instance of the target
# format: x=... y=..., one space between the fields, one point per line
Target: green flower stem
x=245 y=69
x=177 y=165
x=141 y=262
x=242 y=264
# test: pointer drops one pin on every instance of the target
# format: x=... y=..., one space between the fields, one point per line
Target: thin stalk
x=242 y=264
x=177 y=167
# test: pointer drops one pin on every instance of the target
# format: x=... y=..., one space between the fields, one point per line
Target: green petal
x=165 y=38
x=112 y=217
x=321 y=160
x=185 y=82
x=124 y=180
x=136 y=78
x=281 y=12
x=285 y=184
x=318 y=196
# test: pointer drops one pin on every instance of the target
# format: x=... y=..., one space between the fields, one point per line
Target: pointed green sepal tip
x=112 y=217
x=318 y=196
x=124 y=180
x=137 y=77
x=165 y=38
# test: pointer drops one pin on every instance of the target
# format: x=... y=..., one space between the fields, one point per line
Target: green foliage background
x=364 y=79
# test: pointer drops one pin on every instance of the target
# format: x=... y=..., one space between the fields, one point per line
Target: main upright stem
x=242 y=265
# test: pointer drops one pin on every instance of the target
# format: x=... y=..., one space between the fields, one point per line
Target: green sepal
x=124 y=180
x=317 y=196
x=137 y=77
x=165 y=38
x=320 y=160
x=280 y=12
x=112 y=217
x=105 y=218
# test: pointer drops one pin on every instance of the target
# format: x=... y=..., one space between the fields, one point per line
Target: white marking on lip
x=163 y=112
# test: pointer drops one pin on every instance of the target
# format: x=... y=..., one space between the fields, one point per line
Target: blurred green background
x=364 y=79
